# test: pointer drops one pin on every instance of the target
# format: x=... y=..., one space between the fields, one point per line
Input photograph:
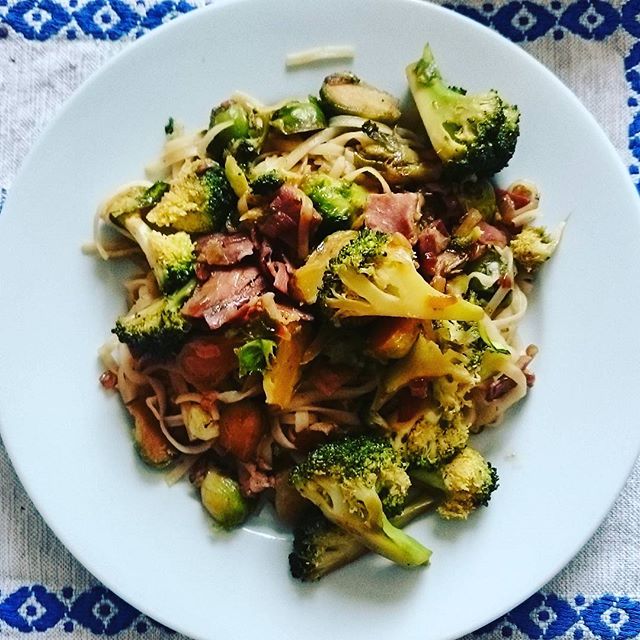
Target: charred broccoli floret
x=532 y=247
x=339 y=202
x=159 y=328
x=320 y=547
x=467 y=481
x=354 y=482
x=374 y=274
x=198 y=201
x=472 y=134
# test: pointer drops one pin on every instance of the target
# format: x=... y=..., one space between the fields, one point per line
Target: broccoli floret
x=170 y=256
x=374 y=274
x=197 y=201
x=472 y=134
x=428 y=440
x=532 y=247
x=354 y=481
x=159 y=328
x=339 y=202
x=135 y=200
x=320 y=547
x=267 y=183
x=467 y=482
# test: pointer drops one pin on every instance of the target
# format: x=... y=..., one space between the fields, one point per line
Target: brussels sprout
x=393 y=158
x=299 y=117
x=221 y=497
x=247 y=130
x=478 y=194
x=345 y=93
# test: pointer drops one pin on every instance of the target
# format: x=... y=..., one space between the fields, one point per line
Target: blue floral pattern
x=518 y=20
x=543 y=616
x=98 y=610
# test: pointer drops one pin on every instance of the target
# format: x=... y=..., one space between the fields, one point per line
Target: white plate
x=563 y=455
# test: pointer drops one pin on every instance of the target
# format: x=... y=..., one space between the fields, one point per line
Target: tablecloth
x=48 y=47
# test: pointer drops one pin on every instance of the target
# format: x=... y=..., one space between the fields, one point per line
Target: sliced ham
x=432 y=242
x=221 y=249
x=277 y=270
x=491 y=235
x=220 y=299
x=394 y=212
x=283 y=217
x=252 y=480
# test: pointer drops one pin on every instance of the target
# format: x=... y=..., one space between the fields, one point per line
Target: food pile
x=326 y=308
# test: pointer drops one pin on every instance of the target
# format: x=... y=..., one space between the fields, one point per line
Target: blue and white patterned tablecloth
x=48 y=47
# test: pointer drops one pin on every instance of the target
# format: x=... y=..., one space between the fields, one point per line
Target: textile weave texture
x=48 y=47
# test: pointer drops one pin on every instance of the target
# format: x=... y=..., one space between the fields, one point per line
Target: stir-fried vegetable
x=325 y=309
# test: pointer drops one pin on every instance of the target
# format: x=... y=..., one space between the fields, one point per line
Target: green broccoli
x=532 y=247
x=136 y=200
x=374 y=274
x=159 y=328
x=170 y=256
x=467 y=482
x=472 y=134
x=354 y=481
x=267 y=183
x=428 y=440
x=339 y=202
x=320 y=547
x=198 y=201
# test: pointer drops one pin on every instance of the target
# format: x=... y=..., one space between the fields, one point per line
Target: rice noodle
x=295 y=156
x=319 y=54
x=180 y=469
x=304 y=227
x=279 y=436
x=229 y=397
x=154 y=404
x=374 y=172
x=343 y=417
